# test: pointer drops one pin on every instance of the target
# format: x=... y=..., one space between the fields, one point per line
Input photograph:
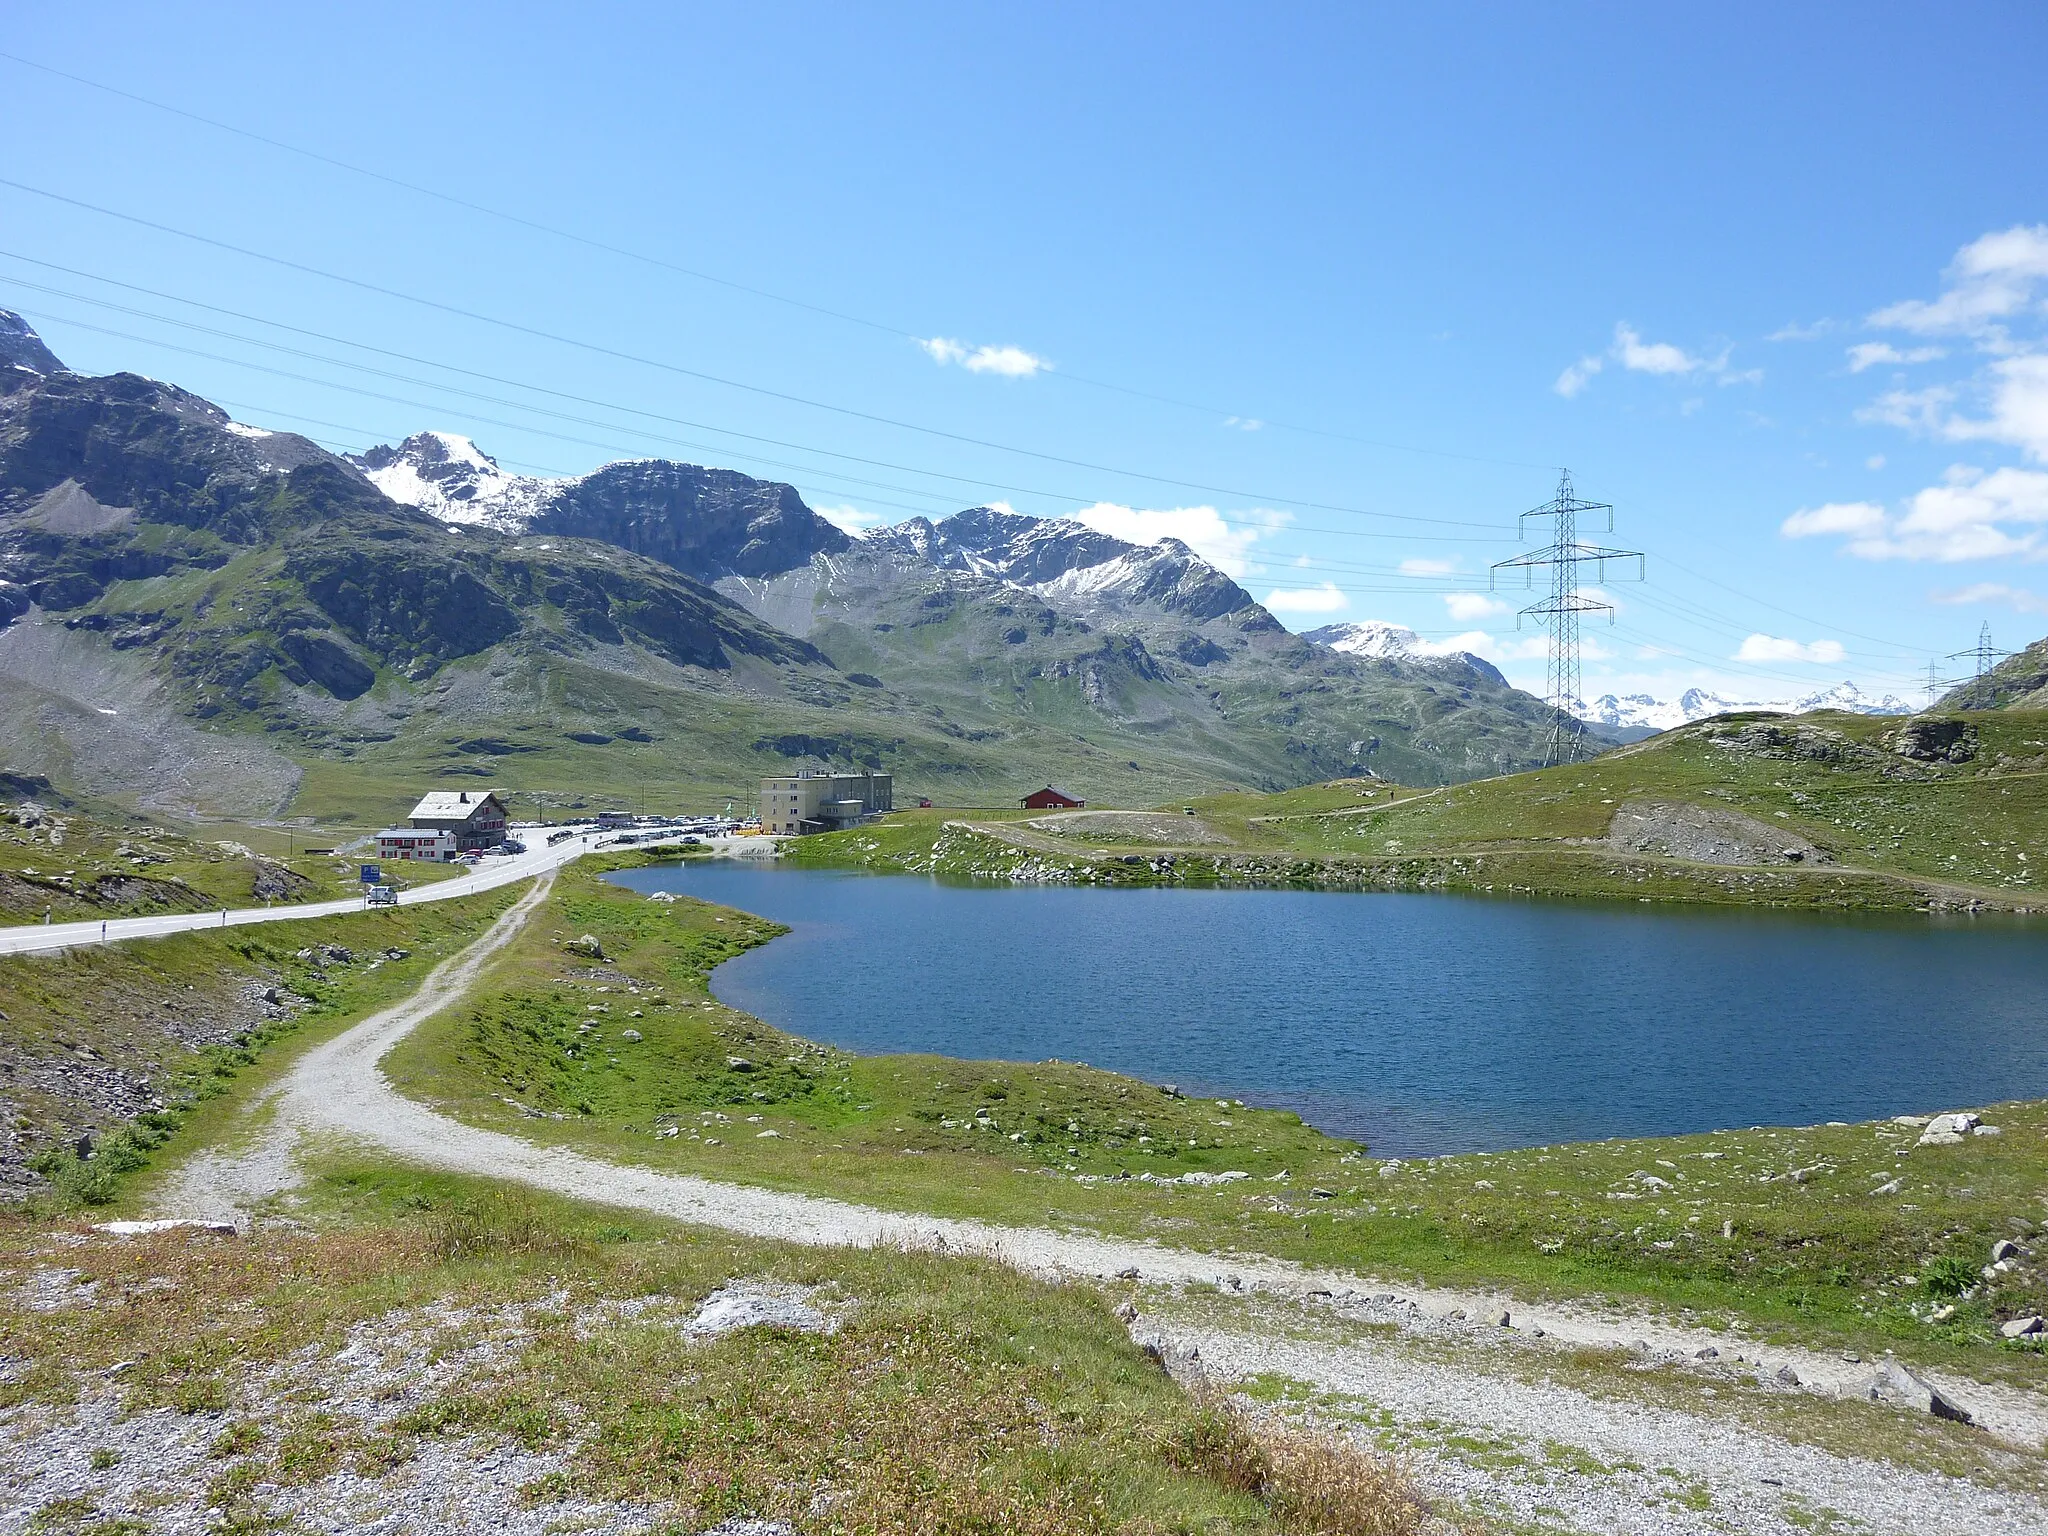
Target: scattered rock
x=587 y=946
x=2004 y=1248
x=1787 y=1377
x=2023 y=1327
x=1898 y=1384
x=739 y=1064
x=1709 y=1353
x=632 y=1036
x=1673 y=829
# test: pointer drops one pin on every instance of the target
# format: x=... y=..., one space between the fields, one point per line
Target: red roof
x=1048 y=799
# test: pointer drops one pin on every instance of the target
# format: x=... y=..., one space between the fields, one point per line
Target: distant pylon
x=1935 y=684
x=1559 y=612
x=1983 y=653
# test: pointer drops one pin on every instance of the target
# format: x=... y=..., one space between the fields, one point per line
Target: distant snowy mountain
x=1390 y=642
x=1645 y=712
x=1075 y=568
x=456 y=481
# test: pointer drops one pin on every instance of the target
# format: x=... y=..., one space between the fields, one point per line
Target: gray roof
x=452 y=804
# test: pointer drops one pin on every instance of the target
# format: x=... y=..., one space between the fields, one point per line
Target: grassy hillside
x=1822 y=810
x=126 y=1043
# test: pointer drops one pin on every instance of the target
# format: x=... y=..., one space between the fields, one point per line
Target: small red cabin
x=1050 y=799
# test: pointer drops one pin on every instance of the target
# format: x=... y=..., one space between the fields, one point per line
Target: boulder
x=1947 y=1130
x=1894 y=1383
x=587 y=946
x=2023 y=1327
x=2004 y=1248
x=631 y=1035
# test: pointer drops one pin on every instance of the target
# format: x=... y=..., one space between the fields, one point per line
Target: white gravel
x=1531 y=1449
x=337 y=1090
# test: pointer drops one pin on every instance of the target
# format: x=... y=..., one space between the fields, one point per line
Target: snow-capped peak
x=1372 y=637
x=448 y=475
x=1645 y=711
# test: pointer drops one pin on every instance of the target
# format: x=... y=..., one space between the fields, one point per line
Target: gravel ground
x=337 y=1090
x=164 y=1463
x=1535 y=1450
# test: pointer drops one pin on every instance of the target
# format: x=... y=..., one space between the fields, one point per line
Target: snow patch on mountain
x=1647 y=712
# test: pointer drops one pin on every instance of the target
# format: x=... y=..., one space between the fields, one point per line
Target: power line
x=598 y=349
x=1082 y=501
x=884 y=327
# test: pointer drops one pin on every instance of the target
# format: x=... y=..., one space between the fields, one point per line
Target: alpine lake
x=1420 y=1025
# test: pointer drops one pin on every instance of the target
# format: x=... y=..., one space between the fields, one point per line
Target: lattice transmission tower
x=1983 y=653
x=1559 y=613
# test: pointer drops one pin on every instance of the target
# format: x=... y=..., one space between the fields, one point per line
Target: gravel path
x=337 y=1090
x=1530 y=1449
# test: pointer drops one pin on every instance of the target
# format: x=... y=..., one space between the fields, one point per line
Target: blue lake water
x=1417 y=1024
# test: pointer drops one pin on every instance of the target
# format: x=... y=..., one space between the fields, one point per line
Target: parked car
x=513 y=845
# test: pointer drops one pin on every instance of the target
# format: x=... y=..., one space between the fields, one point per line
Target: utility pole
x=1983 y=653
x=1559 y=612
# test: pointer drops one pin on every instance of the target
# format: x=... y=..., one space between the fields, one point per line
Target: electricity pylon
x=1983 y=653
x=1559 y=612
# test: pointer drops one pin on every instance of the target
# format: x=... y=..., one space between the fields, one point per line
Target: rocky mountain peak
x=449 y=476
x=21 y=347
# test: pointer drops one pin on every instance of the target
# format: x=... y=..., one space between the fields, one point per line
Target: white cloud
x=1983 y=592
x=1578 y=376
x=2019 y=407
x=1319 y=599
x=1991 y=279
x=1850 y=517
x=1869 y=354
x=1428 y=567
x=1971 y=515
x=1244 y=423
x=1225 y=545
x=850 y=518
x=1661 y=358
x=1797 y=332
x=1875 y=461
x=1010 y=362
x=1639 y=356
x=1773 y=648
x=1466 y=607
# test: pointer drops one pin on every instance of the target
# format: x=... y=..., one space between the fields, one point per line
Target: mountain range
x=206 y=616
x=1645 y=712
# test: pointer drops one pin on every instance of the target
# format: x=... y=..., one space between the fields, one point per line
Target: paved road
x=33 y=938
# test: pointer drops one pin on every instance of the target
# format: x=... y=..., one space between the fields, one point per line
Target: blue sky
x=1330 y=292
